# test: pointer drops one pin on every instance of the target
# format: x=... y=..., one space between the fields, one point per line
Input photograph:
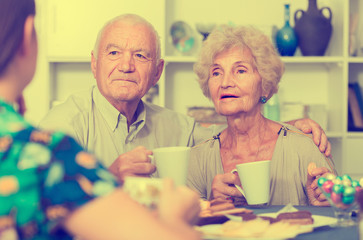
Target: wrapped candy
x=342 y=193
x=340 y=190
x=328 y=186
x=336 y=197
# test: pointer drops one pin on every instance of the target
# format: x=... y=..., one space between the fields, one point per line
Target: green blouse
x=43 y=177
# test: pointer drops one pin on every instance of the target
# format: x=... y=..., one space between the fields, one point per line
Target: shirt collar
x=108 y=111
x=111 y=115
x=140 y=112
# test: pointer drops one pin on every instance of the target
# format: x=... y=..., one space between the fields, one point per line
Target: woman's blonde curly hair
x=265 y=58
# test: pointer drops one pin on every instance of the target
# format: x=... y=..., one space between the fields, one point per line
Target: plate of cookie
x=315 y=220
x=303 y=218
x=257 y=228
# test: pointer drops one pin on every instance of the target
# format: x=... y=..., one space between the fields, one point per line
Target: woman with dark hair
x=11 y=29
x=50 y=188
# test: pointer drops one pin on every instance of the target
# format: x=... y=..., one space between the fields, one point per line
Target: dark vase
x=286 y=39
x=313 y=29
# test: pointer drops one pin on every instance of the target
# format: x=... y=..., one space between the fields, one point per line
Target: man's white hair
x=132 y=19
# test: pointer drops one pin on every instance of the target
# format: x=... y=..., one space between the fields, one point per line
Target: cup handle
x=156 y=173
x=152 y=159
x=238 y=187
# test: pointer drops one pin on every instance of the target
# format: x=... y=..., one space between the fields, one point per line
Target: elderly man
x=111 y=119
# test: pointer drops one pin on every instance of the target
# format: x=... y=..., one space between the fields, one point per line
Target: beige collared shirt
x=101 y=129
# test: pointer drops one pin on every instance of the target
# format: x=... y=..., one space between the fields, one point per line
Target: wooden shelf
x=69 y=59
x=298 y=59
x=334 y=134
x=180 y=59
x=355 y=134
x=324 y=59
x=355 y=59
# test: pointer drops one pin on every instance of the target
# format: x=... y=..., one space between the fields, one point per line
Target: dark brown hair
x=13 y=14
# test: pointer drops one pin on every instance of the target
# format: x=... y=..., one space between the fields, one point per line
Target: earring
x=263 y=99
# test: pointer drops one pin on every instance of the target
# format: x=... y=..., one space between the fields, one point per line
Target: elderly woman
x=239 y=70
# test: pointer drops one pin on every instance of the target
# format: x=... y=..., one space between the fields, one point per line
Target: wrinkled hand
x=223 y=186
x=133 y=163
x=178 y=204
x=316 y=197
x=307 y=126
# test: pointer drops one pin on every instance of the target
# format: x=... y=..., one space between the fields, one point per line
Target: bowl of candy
x=341 y=192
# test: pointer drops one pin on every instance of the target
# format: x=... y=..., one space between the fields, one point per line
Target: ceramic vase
x=313 y=29
x=286 y=39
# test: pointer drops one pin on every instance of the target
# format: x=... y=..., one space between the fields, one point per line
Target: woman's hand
x=307 y=126
x=178 y=204
x=316 y=197
x=223 y=186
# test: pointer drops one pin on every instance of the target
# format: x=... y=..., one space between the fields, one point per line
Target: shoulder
x=46 y=147
x=79 y=101
x=298 y=143
x=52 y=139
x=70 y=110
x=296 y=136
x=10 y=121
x=204 y=156
x=157 y=113
x=38 y=145
x=205 y=149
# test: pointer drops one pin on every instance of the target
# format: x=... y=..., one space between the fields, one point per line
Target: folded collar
x=111 y=115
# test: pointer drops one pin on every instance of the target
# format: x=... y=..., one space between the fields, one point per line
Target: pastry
x=299 y=217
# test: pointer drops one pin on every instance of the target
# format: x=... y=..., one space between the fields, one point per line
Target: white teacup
x=255 y=180
x=144 y=190
x=172 y=162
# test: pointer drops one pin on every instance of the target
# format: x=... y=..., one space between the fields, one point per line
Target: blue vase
x=286 y=38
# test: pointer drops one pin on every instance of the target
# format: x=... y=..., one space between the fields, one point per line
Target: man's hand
x=223 y=186
x=134 y=163
x=307 y=126
x=316 y=197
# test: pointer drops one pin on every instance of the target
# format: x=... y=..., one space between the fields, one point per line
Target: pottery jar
x=313 y=29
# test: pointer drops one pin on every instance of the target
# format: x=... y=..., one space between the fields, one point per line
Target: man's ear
x=159 y=71
x=93 y=64
x=28 y=36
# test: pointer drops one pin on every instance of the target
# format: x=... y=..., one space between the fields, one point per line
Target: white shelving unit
x=67 y=36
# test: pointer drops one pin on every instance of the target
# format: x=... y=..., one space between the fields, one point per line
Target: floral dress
x=44 y=176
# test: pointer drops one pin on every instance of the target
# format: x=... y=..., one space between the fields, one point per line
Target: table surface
x=320 y=233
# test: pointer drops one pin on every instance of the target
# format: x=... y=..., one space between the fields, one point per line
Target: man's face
x=126 y=67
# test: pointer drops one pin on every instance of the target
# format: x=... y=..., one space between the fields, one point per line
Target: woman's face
x=234 y=83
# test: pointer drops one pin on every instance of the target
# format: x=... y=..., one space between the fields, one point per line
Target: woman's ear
x=28 y=37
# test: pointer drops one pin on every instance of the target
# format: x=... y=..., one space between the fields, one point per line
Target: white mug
x=255 y=180
x=172 y=162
